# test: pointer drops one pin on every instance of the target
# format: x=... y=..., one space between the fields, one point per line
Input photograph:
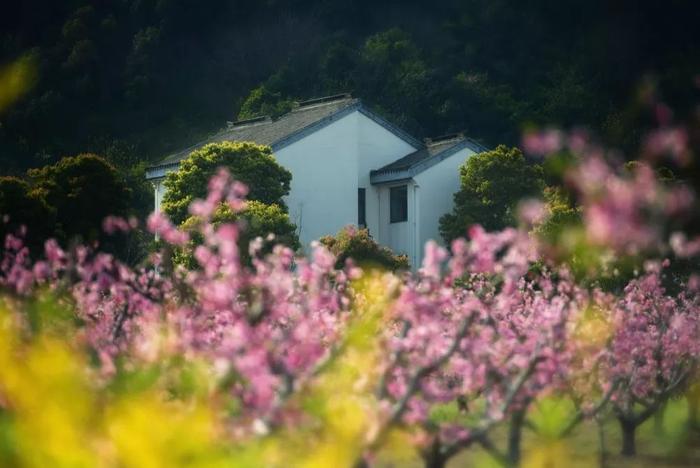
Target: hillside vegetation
x=149 y=76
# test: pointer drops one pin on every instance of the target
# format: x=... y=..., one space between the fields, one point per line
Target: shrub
x=82 y=190
x=270 y=223
x=248 y=163
x=358 y=245
x=492 y=184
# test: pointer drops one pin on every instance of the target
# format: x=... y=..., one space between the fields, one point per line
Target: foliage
x=261 y=221
x=46 y=204
x=261 y=101
x=82 y=191
x=252 y=164
x=132 y=168
x=54 y=414
x=263 y=226
x=491 y=185
x=358 y=245
x=561 y=215
x=405 y=79
x=24 y=208
x=128 y=71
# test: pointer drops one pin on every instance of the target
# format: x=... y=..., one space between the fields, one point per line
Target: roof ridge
x=456 y=136
x=322 y=100
x=252 y=120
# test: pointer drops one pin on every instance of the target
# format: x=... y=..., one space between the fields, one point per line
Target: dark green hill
x=155 y=74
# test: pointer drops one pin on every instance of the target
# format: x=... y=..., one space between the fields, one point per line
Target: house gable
x=307 y=118
x=434 y=152
x=329 y=166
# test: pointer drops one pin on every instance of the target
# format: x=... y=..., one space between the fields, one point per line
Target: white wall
x=329 y=166
x=437 y=186
x=158 y=192
x=377 y=148
x=399 y=237
x=323 y=195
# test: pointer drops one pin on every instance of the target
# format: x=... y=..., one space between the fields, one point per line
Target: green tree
x=358 y=244
x=81 y=190
x=132 y=168
x=257 y=219
x=393 y=73
x=252 y=164
x=261 y=220
x=492 y=183
x=263 y=101
x=562 y=215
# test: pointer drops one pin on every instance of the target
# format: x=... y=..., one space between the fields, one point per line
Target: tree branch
x=580 y=414
x=392 y=361
x=513 y=391
x=400 y=406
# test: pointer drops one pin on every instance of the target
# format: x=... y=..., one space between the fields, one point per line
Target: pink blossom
x=160 y=225
x=542 y=143
x=114 y=224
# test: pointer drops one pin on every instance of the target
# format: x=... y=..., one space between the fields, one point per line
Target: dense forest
x=134 y=79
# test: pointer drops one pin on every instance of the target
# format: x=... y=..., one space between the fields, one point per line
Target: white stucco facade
x=327 y=169
x=349 y=148
x=436 y=188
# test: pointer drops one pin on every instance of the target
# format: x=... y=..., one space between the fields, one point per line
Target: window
x=398 y=204
x=361 y=213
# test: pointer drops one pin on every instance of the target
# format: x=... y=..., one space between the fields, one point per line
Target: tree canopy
x=270 y=223
x=161 y=75
x=252 y=164
x=81 y=190
x=492 y=184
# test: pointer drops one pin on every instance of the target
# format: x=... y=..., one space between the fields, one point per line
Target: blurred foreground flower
x=15 y=80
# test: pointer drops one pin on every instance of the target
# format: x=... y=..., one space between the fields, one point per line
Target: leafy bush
x=561 y=215
x=492 y=184
x=249 y=163
x=82 y=191
x=269 y=223
x=358 y=245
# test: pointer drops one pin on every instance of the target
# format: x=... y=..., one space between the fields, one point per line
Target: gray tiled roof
x=431 y=149
x=266 y=131
x=435 y=150
x=308 y=117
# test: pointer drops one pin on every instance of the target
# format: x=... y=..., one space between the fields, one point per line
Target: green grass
x=661 y=442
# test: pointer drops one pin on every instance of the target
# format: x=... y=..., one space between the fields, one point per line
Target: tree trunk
x=693 y=410
x=437 y=461
x=659 y=419
x=514 y=437
x=601 y=442
x=433 y=458
x=628 y=428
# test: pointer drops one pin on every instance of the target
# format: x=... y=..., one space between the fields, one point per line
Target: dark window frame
x=398 y=204
x=361 y=207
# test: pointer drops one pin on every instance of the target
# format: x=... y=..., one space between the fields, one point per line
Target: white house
x=351 y=166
